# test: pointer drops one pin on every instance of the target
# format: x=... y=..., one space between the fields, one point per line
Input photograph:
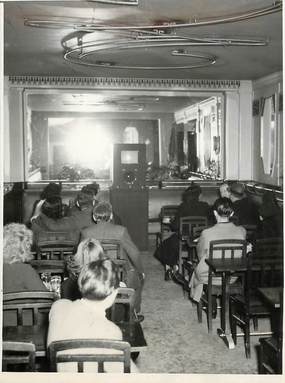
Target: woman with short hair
x=86 y=318
x=18 y=274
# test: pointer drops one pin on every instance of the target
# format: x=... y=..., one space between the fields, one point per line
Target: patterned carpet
x=177 y=343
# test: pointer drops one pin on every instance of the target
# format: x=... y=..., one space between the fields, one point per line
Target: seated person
x=223 y=229
x=271 y=217
x=245 y=210
x=86 y=318
x=168 y=252
x=48 y=217
x=88 y=250
x=105 y=229
x=82 y=211
x=18 y=274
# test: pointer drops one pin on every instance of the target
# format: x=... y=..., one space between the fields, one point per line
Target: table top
x=132 y=333
x=228 y=265
x=272 y=295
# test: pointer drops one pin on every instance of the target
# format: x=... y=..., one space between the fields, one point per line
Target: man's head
x=98 y=280
x=225 y=190
x=237 y=191
x=85 y=198
x=223 y=209
x=52 y=207
x=102 y=212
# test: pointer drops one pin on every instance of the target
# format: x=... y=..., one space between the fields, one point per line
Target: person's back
x=105 y=229
x=86 y=318
x=271 y=217
x=223 y=229
x=191 y=206
x=245 y=210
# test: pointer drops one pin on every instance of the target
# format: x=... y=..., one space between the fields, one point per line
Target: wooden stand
x=132 y=208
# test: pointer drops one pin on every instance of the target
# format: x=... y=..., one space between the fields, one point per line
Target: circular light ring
x=91 y=26
x=76 y=54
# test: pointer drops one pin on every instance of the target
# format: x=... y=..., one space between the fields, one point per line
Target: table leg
x=224 y=331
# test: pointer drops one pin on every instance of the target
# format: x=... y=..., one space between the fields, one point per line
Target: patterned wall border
x=121 y=83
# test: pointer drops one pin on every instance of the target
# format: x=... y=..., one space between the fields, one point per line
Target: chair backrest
x=187 y=225
x=227 y=248
x=55 y=245
x=100 y=356
x=14 y=353
x=113 y=248
x=39 y=302
x=167 y=215
x=124 y=298
x=265 y=265
x=122 y=268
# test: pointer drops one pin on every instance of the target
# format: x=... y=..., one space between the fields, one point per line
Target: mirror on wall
x=69 y=135
x=268 y=134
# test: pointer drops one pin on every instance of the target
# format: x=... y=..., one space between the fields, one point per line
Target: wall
x=264 y=88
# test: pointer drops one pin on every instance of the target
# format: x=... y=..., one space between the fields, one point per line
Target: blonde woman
x=88 y=250
x=18 y=274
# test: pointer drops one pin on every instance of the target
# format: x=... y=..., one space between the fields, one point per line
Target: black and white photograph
x=142 y=190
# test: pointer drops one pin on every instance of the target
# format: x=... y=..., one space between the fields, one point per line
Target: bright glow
x=90 y=146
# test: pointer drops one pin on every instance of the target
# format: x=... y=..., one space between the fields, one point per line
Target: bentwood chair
x=97 y=351
x=190 y=228
x=264 y=269
x=221 y=249
x=17 y=355
x=113 y=248
x=28 y=307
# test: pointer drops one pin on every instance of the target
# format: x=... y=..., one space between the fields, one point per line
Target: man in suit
x=245 y=210
x=105 y=229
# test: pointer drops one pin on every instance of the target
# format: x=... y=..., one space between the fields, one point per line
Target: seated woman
x=168 y=252
x=223 y=229
x=18 y=274
x=89 y=250
x=85 y=318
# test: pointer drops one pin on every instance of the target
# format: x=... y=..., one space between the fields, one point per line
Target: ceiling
x=39 y=51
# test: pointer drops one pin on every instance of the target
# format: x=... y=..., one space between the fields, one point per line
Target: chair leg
x=209 y=315
x=247 y=338
x=233 y=322
x=199 y=311
x=255 y=323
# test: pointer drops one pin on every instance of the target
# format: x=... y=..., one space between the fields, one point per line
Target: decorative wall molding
x=120 y=83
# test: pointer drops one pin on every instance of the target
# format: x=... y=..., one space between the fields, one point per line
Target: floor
x=177 y=343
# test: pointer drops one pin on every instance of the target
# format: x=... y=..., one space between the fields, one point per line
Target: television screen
x=129 y=156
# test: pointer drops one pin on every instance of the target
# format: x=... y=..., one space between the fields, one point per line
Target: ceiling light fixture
x=195 y=22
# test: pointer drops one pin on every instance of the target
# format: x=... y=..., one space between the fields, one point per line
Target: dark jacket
x=245 y=212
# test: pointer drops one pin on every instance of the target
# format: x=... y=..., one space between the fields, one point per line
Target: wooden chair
x=55 y=245
x=100 y=357
x=190 y=228
x=125 y=300
x=36 y=302
x=113 y=248
x=18 y=353
x=167 y=215
x=264 y=269
x=229 y=248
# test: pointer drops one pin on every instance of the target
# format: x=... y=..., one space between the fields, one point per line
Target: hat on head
x=237 y=189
